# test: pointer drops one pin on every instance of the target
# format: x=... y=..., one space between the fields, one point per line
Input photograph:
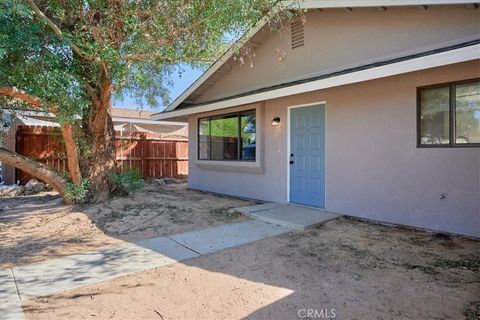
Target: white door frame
x=289 y=109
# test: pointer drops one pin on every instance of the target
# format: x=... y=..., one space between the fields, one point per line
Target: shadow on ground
x=353 y=269
x=358 y=271
x=37 y=228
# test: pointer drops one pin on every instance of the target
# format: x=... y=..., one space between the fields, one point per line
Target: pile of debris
x=11 y=191
x=31 y=187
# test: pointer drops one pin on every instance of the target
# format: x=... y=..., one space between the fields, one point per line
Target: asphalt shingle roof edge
x=333 y=74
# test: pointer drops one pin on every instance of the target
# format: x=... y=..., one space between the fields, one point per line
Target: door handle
x=291 y=161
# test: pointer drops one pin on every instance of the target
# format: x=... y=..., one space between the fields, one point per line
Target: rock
x=39 y=187
x=170 y=180
x=11 y=191
x=160 y=182
x=29 y=185
x=34 y=186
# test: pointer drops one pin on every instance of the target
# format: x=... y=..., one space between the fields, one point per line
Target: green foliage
x=130 y=180
x=226 y=126
x=73 y=54
x=78 y=193
x=138 y=43
x=35 y=60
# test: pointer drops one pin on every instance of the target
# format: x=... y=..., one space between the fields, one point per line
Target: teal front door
x=307 y=156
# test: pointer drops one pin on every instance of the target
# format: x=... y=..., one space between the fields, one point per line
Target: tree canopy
x=69 y=57
x=54 y=49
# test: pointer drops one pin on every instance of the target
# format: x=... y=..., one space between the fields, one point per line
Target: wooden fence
x=154 y=156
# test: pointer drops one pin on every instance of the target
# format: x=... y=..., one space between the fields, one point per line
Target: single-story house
x=366 y=108
x=129 y=124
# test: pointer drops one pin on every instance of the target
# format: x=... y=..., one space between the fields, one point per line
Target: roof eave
x=442 y=58
x=216 y=65
x=306 y=4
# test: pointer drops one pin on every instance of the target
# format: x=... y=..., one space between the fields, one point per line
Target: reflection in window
x=449 y=115
x=435 y=116
x=227 y=137
x=224 y=138
x=203 y=139
x=467 y=113
x=248 y=129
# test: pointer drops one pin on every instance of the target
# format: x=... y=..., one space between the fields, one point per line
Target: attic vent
x=297 y=33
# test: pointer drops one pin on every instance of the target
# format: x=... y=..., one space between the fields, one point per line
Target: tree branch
x=25 y=97
x=20 y=95
x=68 y=131
x=57 y=30
x=35 y=169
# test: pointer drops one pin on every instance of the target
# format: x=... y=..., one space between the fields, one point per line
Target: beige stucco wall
x=373 y=167
x=337 y=39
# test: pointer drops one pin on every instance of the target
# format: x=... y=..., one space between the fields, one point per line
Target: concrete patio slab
x=56 y=275
x=289 y=215
x=10 y=305
x=259 y=207
x=231 y=235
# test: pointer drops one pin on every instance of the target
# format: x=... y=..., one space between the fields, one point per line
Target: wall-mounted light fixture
x=276 y=122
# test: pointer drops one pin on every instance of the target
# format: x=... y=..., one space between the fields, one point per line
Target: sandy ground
x=163 y=210
x=347 y=268
x=40 y=227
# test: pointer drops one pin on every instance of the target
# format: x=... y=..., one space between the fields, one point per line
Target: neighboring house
x=364 y=108
x=132 y=127
x=132 y=120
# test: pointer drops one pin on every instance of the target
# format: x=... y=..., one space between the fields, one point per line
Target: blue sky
x=180 y=83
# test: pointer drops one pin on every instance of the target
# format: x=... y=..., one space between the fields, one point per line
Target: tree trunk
x=101 y=164
x=72 y=153
x=35 y=169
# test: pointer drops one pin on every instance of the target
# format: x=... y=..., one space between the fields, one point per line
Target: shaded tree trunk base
x=101 y=166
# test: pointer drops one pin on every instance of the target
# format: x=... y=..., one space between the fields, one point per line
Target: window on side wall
x=448 y=115
x=229 y=137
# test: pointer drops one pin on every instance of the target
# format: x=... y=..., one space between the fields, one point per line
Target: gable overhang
x=305 y=4
x=382 y=69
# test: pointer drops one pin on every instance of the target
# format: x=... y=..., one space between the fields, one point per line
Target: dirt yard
x=35 y=228
x=346 y=268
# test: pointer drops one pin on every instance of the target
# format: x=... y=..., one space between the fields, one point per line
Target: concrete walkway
x=70 y=272
x=10 y=305
x=65 y=273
